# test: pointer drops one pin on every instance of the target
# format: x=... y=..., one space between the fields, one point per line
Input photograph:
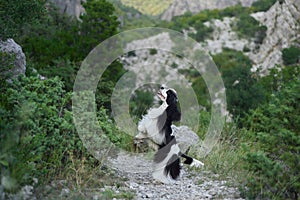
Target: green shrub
x=58 y=43
x=277 y=78
x=38 y=137
x=140 y=103
x=273 y=157
x=6 y=63
x=15 y=16
x=248 y=27
x=98 y=24
x=242 y=89
x=202 y=32
x=262 y=5
x=37 y=129
x=153 y=51
x=291 y=55
x=201 y=91
x=189 y=19
x=116 y=136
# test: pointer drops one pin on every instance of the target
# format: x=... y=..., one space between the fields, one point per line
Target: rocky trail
x=192 y=184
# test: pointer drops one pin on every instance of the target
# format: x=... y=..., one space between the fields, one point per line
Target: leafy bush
x=98 y=24
x=274 y=160
x=262 y=5
x=38 y=137
x=55 y=37
x=37 y=130
x=201 y=91
x=202 y=32
x=140 y=103
x=58 y=36
x=57 y=43
x=14 y=16
x=153 y=51
x=242 y=89
x=277 y=78
x=235 y=11
x=6 y=63
x=248 y=27
x=291 y=55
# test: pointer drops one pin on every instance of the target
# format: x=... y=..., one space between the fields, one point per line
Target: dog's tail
x=167 y=163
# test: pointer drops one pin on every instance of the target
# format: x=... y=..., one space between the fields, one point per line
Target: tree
x=98 y=23
x=17 y=14
x=242 y=89
x=291 y=55
x=274 y=128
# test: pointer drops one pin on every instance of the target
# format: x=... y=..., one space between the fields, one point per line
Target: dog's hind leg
x=192 y=161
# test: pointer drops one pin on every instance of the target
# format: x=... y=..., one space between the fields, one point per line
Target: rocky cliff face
x=179 y=7
x=71 y=7
x=283 y=23
x=283 y=30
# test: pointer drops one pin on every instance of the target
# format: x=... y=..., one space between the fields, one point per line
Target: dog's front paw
x=197 y=163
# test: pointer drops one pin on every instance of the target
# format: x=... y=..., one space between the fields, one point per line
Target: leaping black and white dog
x=156 y=126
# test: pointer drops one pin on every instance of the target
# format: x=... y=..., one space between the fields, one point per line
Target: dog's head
x=167 y=95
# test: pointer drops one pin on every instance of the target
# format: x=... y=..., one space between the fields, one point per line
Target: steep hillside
x=150 y=7
x=170 y=8
x=179 y=7
x=72 y=7
x=283 y=23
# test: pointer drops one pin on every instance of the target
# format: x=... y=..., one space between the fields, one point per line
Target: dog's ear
x=177 y=115
x=171 y=98
x=172 y=101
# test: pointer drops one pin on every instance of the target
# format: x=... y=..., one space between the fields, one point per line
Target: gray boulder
x=185 y=137
x=10 y=47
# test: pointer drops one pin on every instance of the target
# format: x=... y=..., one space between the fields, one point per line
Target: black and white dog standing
x=156 y=126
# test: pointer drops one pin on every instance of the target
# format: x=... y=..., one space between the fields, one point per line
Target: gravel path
x=191 y=184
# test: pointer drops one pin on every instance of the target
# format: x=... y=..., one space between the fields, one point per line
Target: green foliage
x=37 y=131
x=98 y=24
x=58 y=43
x=248 y=27
x=200 y=88
x=6 y=63
x=204 y=120
x=196 y=21
x=153 y=51
x=274 y=160
x=59 y=36
x=262 y=5
x=15 y=15
x=141 y=101
x=107 y=83
x=277 y=78
x=291 y=55
x=65 y=69
x=53 y=38
x=242 y=89
x=38 y=137
x=116 y=136
x=225 y=159
x=202 y=32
